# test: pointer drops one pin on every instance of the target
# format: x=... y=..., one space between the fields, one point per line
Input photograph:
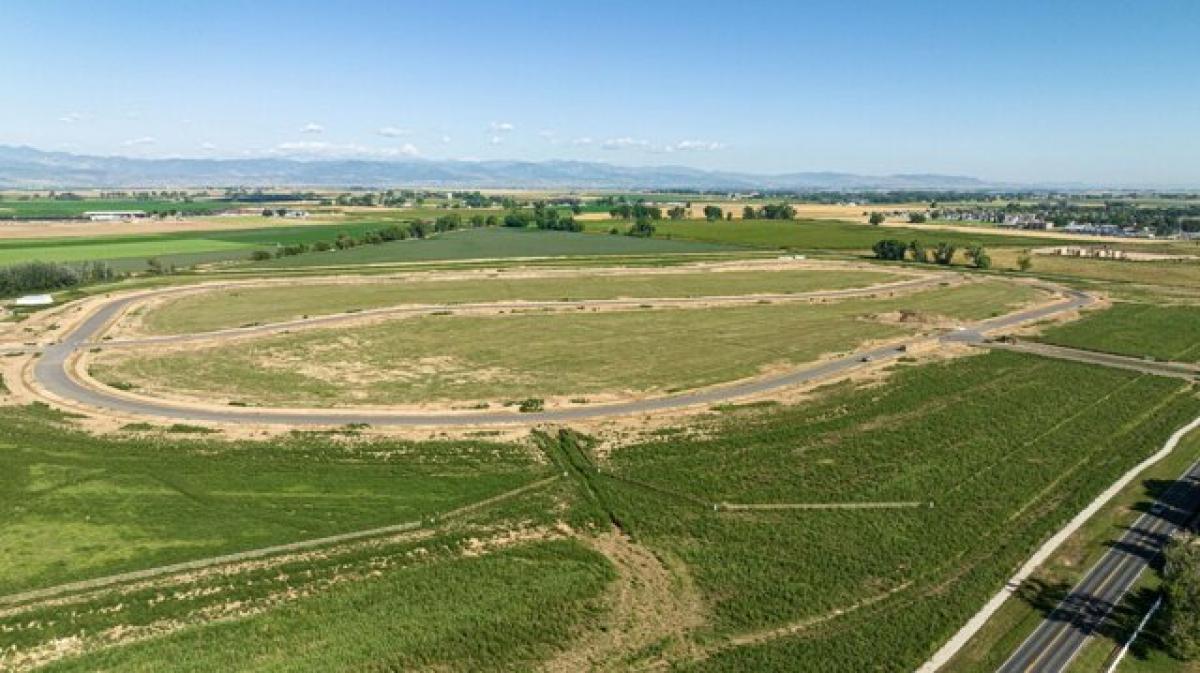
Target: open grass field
x=1005 y=447
x=1160 y=332
x=504 y=357
x=230 y=308
x=812 y=234
x=491 y=243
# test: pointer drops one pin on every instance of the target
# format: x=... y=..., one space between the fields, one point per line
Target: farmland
x=813 y=234
x=439 y=357
x=491 y=243
x=1160 y=332
x=1011 y=471
x=770 y=589
x=68 y=208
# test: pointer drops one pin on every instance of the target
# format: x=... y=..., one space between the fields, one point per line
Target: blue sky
x=1098 y=92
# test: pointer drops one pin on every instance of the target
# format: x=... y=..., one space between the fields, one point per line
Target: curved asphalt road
x=50 y=370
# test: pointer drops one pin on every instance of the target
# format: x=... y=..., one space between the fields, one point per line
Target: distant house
x=34 y=300
x=114 y=215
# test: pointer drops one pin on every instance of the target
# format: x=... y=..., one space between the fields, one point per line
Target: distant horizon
x=1019 y=92
x=984 y=183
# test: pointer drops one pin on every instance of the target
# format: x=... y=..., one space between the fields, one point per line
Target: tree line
x=942 y=253
x=28 y=277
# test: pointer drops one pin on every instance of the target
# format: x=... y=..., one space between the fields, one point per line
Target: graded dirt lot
x=151 y=225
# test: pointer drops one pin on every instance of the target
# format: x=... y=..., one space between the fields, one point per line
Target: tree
x=677 y=213
x=642 y=228
x=267 y=212
x=1024 y=261
x=916 y=218
x=712 y=213
x=919 y=252
x=1181 y=597
x=944 y=253
x=876 y=219
x=979 y=257
x=748 y=213
x=890 y=249
x=729 y=216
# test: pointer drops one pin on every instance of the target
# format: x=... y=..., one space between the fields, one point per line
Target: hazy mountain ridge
x=26 y=167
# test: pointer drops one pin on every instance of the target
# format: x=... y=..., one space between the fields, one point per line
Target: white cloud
x=624 y=143
x=582 y=141
x=496 y=140
x=393 y=132
x=71 y=117
x=144 y=140
x=501 y=127
x=207 y=146
x=697 y=146
x=446 y=139
x=312 y=127
x=325 y=150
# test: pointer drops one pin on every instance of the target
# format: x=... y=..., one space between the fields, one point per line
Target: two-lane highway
x=1059 y=638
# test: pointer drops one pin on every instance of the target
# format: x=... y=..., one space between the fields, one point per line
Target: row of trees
x=543 y=216
x=1181 y=598
x=943 y=253
x=771 y=211
x=48 y=276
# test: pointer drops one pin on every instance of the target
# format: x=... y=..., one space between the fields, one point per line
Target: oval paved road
x=50 y=371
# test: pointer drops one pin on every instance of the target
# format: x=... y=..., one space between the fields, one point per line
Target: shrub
x=890 y=249
x=531 y=404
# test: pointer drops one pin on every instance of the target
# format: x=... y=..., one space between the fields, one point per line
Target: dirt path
x=652 y=607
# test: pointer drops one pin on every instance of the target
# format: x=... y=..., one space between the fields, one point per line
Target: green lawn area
x=1006 y=447
x=231 y=308
x=78 y=506
x=1161 y=332
x=492 y=243
x=806 y=234
x=536 y=354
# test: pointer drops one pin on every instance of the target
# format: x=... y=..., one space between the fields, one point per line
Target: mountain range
x=29 y=168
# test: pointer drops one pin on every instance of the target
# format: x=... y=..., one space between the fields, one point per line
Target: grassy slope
x=79 y=506
x=230 y=308
x=515 y=356
x=1007 y=447
x=1162 y=332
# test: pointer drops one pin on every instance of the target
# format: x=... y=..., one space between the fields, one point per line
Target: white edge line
x=973 y=625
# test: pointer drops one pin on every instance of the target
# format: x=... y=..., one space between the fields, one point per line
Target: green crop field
x=78 y=506
x=999 y=449
x=1160 y=332
x=536 y=354
x=1005 y=448
x=266 y=304
x=173 y=247
x=813 y=234
x=490 y=243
